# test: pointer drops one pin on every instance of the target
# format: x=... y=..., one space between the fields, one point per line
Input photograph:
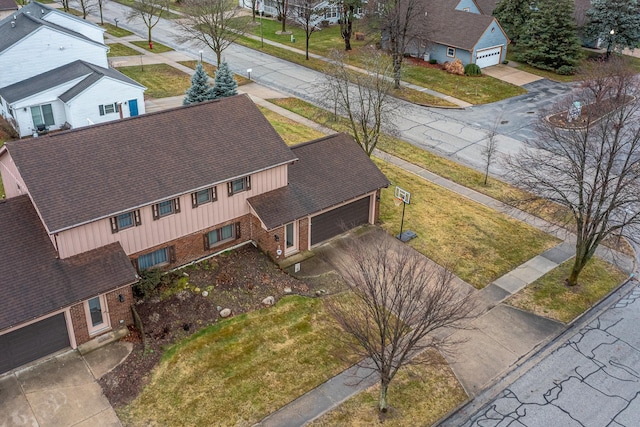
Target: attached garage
x=338 y=220
x=33 y=342
x=488 y=57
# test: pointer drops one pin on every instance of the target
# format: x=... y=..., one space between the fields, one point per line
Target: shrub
x=505 y=62
x=566 y=70
x=472 y=70
x=148 y=283
x=433 y=61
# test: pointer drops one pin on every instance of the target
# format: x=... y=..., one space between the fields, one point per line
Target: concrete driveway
x=61 y=391
x=510 y=75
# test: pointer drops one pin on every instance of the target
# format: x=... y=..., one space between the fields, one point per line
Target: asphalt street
x=458 y=134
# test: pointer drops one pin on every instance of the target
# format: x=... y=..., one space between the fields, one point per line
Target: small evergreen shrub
x=433 y=61
x=148 y=283
x=472 y=70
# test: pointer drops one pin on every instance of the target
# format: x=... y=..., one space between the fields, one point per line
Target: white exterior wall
x=11 y=179
x=41 y=51
x=156 y=232
x=78 y=25
x=85 y=106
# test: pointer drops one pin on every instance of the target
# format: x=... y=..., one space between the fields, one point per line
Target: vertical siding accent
x=190 y=220
x=11 y=178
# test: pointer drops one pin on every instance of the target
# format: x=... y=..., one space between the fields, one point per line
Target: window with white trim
x=125 y=220
x=221 y=235
x=166 y=208
x=201 y=197
x=239 y=185
x=451 y=52
x=108 y=108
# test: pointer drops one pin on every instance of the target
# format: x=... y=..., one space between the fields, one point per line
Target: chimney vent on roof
x=42 y=11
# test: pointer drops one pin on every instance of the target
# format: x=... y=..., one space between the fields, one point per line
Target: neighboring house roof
x=315 y=183
x=455 y=28
x=81 y=175
x=8 y=5
x=29 y=19
x=34 y=282
x=487 y=6
x=61 y=75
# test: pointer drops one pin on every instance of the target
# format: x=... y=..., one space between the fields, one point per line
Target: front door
x=133 y=107
x=97 y=319
x=290 y=244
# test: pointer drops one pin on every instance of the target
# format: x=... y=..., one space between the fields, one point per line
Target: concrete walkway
x=61 y=391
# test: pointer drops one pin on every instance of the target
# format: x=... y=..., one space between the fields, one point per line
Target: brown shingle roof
x=329 y=171
x=78 y=176
x=8 y=5
x=33 y=282
x=452 y=27
x=487 y=6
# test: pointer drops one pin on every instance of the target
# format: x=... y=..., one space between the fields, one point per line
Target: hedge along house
x=464 y=30
x=159 y=191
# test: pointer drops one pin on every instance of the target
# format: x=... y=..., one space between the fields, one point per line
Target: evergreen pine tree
x=551 y=41
x=620 y=16
x=224 y=83
x=199 y=90
x=513 y=16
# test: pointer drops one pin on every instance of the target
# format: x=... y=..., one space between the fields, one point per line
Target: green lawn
x=116 y=31
x=418 y=396
x=475 y=90
x=211 y=71
x=157 y=47
x=291 y=131
x=241 y=369
x=549 y=296
x=161 y=80
x=118 y=49
x=477 y=243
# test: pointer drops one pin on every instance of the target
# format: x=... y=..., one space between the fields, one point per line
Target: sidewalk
x=500 y=337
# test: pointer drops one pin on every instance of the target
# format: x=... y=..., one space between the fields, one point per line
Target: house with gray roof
x=55 y=73
x=88 y=209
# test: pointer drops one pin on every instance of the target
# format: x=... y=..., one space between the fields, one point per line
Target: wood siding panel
x=41 y=51
x=11 y=179
x=85 y=28
x=156 y=232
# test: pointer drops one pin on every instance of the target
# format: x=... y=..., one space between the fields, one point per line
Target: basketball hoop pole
x=402 y=220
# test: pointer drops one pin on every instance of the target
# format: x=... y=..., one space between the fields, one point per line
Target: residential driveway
x=510 y=75
x=61 y=391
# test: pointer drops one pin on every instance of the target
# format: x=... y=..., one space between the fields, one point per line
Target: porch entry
x=290 y=238
x=96 y=311
x=133 y=107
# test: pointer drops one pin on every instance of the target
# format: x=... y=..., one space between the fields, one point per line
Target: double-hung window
x=221 y=235
x=239 y=185
x=108 y=108
x=42 y=115
x=125 y=220
x=451 y=52
x=204 y=196
x=156 y=258
x=166 y=208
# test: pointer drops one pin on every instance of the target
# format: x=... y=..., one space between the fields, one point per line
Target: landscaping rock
x=219 y=309
x=269 y=300
x=287 y=290
x=225 y=312
x=205 y=293
x=320 y=292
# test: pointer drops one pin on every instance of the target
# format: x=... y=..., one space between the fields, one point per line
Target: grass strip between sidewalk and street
x=115 y=31
x=241 y=369
x=549 y=296
x=418 y=396
x=157 y=47
x=118 y=49
x=161 y=80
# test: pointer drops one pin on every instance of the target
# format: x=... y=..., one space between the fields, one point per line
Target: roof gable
x=455 y=28
x=330 y=171
x=81 y=175
x=35 y=282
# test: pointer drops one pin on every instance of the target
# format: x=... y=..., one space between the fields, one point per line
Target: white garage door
x=488 y=57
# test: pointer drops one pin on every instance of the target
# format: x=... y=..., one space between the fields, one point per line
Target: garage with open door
x=488 y=57
x=33 y=342
x=338 y=220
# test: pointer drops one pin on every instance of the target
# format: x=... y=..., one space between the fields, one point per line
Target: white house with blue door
x=464 y=30
x=55 y=73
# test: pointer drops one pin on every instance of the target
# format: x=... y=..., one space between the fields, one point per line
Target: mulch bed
x=589 y=113
x=421 y=63
x=238 y=280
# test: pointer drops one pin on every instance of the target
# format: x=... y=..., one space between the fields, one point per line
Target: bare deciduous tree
x=64 y=3
x=150 y=11
x=363 y=98
x=212 y=23
x=282 y=6
x=347 y=10
x=592 y=167
x=400 y=302
x=87 y=6
x=401 y=23
x=307 y=15
x=100 y=4
x=490 y=150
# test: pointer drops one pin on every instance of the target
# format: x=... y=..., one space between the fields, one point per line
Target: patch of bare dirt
x=422 y=63
x=238 y=280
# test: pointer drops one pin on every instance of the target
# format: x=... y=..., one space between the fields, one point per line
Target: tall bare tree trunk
x=382 y=401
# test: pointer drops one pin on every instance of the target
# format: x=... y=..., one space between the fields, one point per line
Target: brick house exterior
x=178 y=192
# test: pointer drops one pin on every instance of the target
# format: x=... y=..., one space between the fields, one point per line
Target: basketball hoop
x=397 y=201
